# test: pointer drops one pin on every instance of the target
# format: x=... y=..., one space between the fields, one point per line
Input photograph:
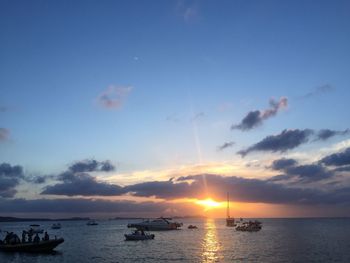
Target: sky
x=147 y=108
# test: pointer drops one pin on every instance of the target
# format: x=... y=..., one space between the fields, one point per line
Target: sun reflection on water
x=211 y=246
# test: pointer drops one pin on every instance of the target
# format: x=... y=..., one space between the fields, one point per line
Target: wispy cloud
x=198 y=116
x=225 y=146
x=114 y=96
x=326 y=88
x=4 y=134
x=188 y=10
x=255 y=118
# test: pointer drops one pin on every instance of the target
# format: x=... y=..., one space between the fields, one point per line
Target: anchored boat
x=138 y=235
x=156 y=224
x=39 y=247
x=230 y=221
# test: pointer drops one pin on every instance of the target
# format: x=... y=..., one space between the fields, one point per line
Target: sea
x=280 y=240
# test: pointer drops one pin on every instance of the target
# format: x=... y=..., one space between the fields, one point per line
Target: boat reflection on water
x=211 y=245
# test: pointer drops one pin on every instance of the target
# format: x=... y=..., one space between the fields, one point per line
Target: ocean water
x=280 y=240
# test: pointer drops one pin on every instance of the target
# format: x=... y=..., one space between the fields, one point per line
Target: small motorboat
x=35 y=229
x=56 y=226
x=39 y=247
x=92 y=223
x=192 y=227
x=138 y=235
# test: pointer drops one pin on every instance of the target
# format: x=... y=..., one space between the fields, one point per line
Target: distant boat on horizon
x=230 y=221
x=160 y=223
x=92 y=223
x=56 y=226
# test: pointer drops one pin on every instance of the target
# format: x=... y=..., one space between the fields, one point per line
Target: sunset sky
x=147 y=108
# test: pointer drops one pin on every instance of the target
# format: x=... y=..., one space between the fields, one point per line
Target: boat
x=35 y=229
x=230 y=221
x=40 y=247
x=92 y=223
x=192 y=227
x=139 y=235
x=249 y=226
x=157 y=224
x=56 y=226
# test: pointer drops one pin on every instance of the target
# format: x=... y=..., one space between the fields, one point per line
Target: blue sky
x=215 y=59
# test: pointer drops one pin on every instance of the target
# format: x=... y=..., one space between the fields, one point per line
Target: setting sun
x=209 y=203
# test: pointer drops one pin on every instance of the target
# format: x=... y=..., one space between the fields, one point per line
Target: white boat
x=138 y=235
x=92 y=223
x=35 y=229
x=156 y=224
x=56 y=226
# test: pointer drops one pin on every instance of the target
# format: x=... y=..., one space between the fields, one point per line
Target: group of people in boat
x=12 y=238
x=250 y=226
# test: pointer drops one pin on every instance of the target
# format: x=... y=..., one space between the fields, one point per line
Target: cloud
x=77 y=180
x=83 y=184
x=188 y=11
x=4 y=134
x=327 y=133
x=318 y=91
x=254 y=119
x=240 y=189
x=337 y=159
x=113 y=97
x=305 y=173
x=286 y=140
x=172 y=118
x=225 y=146
x=91 y=165
x=283 y=163
x=198 y=116
x=9 y=178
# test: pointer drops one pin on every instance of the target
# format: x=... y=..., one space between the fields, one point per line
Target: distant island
x=16 y=219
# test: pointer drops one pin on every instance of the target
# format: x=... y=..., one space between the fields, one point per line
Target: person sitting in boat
x=24 y=233
x=30 y=237
x=36 y=238
x=46 y=236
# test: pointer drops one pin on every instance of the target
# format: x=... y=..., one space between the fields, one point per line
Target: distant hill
x=16 y=219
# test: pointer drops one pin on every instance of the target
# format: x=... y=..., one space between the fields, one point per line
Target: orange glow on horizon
x=209 y=203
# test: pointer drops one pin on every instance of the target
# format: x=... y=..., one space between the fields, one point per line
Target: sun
x=208 y=203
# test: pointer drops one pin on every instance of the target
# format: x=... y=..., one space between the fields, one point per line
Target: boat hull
x=41 y=247
x=138 y=237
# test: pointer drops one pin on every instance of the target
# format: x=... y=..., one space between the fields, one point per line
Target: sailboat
x=229 y=221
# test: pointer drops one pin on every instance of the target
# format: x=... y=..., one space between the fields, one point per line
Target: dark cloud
x=283 y=163
x=345 y=168
x=337 y=159
x=255 y=118
x=4 y=134
x=9 y=178
x=225 y=146
x=241 y=190
x=286 y=140
x=113 y=97
x=327 y=133
x=91 y=166
x=74 y=184
x=319 y=90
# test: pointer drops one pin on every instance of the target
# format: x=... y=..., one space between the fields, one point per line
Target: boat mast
x=228 y=206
